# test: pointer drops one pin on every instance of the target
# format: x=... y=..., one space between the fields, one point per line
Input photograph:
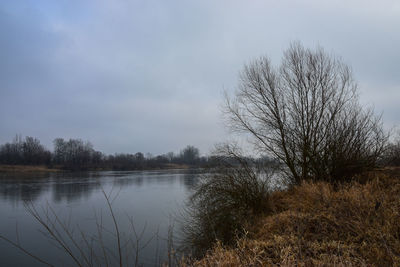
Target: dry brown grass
x=26 y=168
x=315 y=224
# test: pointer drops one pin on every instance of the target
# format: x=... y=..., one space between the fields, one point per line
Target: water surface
x=150 y=199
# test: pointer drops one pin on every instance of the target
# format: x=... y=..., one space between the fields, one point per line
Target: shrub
x=225 y=200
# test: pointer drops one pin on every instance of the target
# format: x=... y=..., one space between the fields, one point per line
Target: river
x=149 y=201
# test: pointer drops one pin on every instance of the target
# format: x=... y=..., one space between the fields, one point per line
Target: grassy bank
x=42 y=168
x=27 y=168
x=315 y=224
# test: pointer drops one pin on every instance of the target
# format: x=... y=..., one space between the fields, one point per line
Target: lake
x=149 y=201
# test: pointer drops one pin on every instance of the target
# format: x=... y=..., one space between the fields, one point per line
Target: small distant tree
x=306 y=114
x=170 y=156
x=74 y=153
x=190 y=155
x=28 y=151
x=34 y=152
x=60 y=152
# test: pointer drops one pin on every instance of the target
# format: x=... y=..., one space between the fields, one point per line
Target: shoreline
x=26 y=169
x=45 y=169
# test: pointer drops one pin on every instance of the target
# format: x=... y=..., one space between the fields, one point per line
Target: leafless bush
x=391 y=156
x=306 y=114
x=227 y=199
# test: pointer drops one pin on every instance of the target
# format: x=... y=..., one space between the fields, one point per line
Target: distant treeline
x=76 y=154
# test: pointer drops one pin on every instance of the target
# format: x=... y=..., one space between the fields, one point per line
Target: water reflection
x=22 y=187
x=74 y=189
x=126 y=181
x=150 y=197
x=80 y=185
x=188 y=181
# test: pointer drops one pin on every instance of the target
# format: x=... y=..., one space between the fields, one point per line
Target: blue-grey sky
x=148 y=75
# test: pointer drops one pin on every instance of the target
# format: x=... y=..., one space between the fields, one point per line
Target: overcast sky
x=148 y=75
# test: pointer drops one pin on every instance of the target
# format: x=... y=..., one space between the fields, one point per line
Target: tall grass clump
x=228 y=198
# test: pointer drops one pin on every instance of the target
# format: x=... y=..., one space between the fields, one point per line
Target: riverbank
x=43 y=168
x=26 y=169
x=315 y=224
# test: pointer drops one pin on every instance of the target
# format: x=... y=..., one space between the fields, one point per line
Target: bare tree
x=28 y=151
x=306 y=114
x=189 y=155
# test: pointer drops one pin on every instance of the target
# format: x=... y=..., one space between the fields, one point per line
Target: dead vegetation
x=26 y=168
x=315 y=224
x=225 y=200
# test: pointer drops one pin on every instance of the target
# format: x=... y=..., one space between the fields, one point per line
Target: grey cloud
x=148 y=75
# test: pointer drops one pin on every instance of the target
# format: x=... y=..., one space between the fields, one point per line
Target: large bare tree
x=306 y=113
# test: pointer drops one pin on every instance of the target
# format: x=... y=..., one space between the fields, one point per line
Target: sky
x=149 y=75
